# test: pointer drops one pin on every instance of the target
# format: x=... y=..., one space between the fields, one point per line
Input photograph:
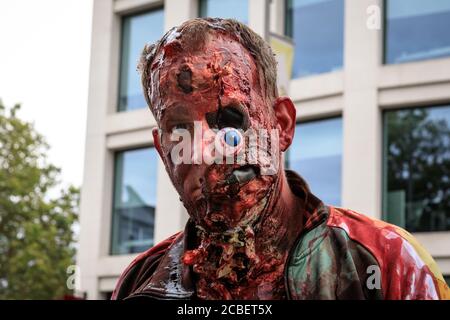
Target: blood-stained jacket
x=340 y=254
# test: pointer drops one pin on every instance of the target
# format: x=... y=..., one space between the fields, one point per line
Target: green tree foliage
x=418 y=163
x=37 y=239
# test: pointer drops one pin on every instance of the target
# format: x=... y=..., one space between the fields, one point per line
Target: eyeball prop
x=229 y=141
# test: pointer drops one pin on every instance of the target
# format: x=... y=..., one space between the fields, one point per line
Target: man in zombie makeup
x=255 y=229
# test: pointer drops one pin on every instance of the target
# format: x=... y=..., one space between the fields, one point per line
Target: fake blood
x=243 y=237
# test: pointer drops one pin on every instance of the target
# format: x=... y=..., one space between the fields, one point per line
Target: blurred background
x=370 y=80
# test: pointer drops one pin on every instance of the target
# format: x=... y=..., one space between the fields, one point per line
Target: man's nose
x=202 y=143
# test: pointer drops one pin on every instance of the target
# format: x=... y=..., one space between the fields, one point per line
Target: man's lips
x=243 y=174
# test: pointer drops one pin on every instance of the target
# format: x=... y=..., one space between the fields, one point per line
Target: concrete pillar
x=258 y=15
x=362 y=134
x=176 y=12
x=92 y=208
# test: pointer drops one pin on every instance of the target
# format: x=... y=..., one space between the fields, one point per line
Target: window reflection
x=134 y=200
x=417 y=168
x=236 y=9
x=417 y=30
x=316 y=27
x=137 y=30
x=316 y=154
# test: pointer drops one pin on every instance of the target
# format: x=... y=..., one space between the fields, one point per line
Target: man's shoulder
x=336 y=259
x=368 y=232
x=380 y=237
x=364 y=228
x=401 y=258
x=141 y=268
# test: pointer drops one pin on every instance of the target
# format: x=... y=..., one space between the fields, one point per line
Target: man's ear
x=157 y=141
x=286 y=119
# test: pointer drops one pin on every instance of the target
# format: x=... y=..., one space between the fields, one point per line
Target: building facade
x=371 y=83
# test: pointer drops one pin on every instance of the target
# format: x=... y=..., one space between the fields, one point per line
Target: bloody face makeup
x=216 y=86
x=212 y=89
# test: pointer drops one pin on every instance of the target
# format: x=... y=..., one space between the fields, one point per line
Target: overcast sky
x=44 y=65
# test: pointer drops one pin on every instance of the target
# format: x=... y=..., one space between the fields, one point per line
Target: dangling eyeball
x=232 y=137
x=229 y=141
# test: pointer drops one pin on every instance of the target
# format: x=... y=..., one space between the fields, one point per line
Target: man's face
x=217 y=87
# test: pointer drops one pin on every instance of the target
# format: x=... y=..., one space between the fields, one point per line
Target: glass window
x=236 y=9
x=137 y=30
x=316 y=154
x=417 y=30
x=316 y=27
x=417 y=168
x=134 y=200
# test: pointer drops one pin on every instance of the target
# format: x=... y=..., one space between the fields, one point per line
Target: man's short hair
x=193 y=34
